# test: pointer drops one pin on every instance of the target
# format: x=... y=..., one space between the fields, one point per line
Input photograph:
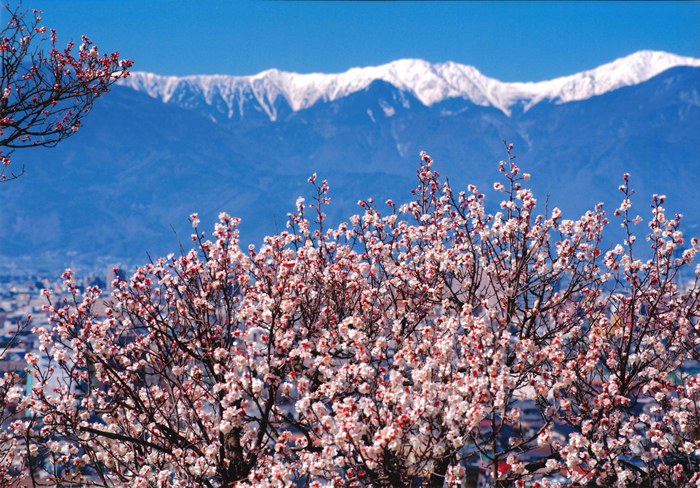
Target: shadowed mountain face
x=139 y=167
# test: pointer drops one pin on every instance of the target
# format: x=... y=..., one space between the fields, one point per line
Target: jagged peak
x=429 y=83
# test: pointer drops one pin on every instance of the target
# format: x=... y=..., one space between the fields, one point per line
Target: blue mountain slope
x=139 y=166
x=647 y=130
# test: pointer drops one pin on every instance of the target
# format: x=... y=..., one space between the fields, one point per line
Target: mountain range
x=157 y=149
x=234 y=96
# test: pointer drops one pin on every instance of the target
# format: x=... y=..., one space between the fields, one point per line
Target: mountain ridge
x=117 y=190
x=429 y=83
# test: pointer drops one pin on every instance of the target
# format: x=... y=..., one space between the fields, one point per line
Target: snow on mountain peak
x=429 y=83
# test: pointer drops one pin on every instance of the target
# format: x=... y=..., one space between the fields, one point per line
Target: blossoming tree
x=44 y=95
x=10 y=393
x=388 y=351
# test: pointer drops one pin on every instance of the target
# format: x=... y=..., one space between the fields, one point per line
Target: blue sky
x=510 y=41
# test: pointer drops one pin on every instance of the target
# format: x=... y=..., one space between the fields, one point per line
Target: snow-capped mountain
x=429 y=83
x=149 y=157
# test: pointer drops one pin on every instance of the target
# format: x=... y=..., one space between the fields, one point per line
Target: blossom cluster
x=382 y=352
x=45 y=95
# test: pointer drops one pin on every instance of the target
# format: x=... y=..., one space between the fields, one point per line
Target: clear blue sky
x=510 y=41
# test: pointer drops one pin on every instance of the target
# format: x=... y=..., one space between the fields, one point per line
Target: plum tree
x=394 y=350
x=45 y=95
